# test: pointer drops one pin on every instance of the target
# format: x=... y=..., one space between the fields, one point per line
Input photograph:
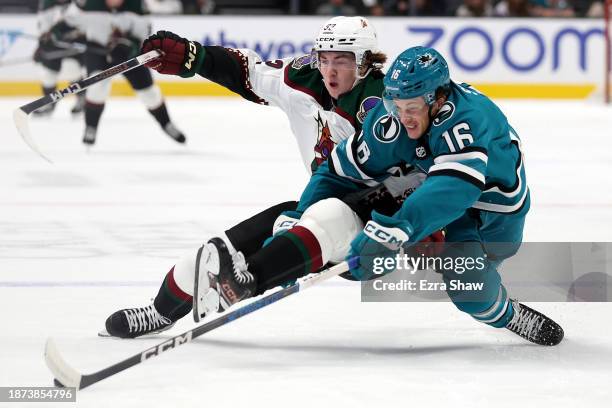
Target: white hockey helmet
x=352 y=34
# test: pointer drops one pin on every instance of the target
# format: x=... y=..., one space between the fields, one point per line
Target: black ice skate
x=221 y=279
x=174 y=133
x=130 y=323
x=534 y=326
x=89 y=137
x=79 y=105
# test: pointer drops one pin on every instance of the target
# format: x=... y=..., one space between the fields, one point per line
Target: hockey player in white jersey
x=117 y=26
x=57 y=37
x=326 y=95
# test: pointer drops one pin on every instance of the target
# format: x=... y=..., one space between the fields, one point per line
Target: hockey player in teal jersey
x=476 y=184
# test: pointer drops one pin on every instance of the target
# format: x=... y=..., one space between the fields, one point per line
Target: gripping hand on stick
x=180 y=57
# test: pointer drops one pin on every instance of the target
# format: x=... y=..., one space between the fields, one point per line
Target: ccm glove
x=381 y=238
x=180 y=56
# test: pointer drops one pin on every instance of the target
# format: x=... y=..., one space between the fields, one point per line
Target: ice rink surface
x=98 y=230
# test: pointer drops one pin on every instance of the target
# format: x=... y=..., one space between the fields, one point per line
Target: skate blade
x=104 y=333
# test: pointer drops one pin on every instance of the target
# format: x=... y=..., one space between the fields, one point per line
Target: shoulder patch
x=302 y=61
x=365 y=106
x=446 y=112
x=387 y=128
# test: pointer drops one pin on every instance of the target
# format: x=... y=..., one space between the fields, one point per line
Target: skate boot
x=43 y=111
x=534 y=326
x=174 y=133
x=130 y=323
x=79 y=105
x=89 y=137
x=221 y=279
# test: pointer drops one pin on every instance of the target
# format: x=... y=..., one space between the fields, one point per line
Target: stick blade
x=20 y=117
x=62 y=372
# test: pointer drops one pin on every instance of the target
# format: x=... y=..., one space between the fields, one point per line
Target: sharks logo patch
x=446 y=112
x=387 y=128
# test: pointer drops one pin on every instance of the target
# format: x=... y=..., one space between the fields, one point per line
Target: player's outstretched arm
x=186 y=58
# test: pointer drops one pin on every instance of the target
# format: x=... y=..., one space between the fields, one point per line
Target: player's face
x=414 y=115
x=339 y=71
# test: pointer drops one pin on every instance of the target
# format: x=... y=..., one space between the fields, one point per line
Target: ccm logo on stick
x=170 y=344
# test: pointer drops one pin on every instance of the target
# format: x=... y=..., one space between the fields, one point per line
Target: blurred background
x=507 y=48
x=461 y=8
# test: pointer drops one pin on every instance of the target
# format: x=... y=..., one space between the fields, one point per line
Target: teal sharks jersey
x=471 y=154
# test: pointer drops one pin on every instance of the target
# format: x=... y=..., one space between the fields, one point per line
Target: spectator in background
x=199 y=6
x=475 y=8
x=596 y=9
x=336 y=8
x=512 y=8
x=374 y=8
x=588 y=8
x=417 y=8
x=551 y=8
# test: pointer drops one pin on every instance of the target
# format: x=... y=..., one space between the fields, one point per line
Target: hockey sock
x=499 y=313
x=161 y=115
x=171 y=301
x=93 y=112
x=289 y=256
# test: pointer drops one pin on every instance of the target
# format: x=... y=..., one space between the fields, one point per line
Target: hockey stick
x=66 y=376
x=20 y=115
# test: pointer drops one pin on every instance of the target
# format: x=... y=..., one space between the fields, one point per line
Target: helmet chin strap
x=360 y=78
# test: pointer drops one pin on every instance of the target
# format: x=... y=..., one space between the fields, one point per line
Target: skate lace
x=525 y=322
x=145 y=319
x=241 y=273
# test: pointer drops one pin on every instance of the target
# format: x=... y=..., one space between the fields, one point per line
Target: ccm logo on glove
x=393 y=238
x=192 y=53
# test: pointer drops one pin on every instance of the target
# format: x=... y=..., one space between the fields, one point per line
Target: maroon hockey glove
x=432 y=245
x=180 y=56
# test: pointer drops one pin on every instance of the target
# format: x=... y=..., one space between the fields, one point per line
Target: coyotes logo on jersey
x=324 y=145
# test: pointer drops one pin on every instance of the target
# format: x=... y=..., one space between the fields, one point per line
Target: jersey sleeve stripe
x=459 y=175
x=460 y=170
x=463 y=155
x=335 y=166
x=345 y=115
x=500 y=208
x=515 y=189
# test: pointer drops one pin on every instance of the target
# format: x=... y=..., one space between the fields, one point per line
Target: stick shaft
x=83 y=84
x=71 y=378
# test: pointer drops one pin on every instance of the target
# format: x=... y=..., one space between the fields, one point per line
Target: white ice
x=98 y=230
